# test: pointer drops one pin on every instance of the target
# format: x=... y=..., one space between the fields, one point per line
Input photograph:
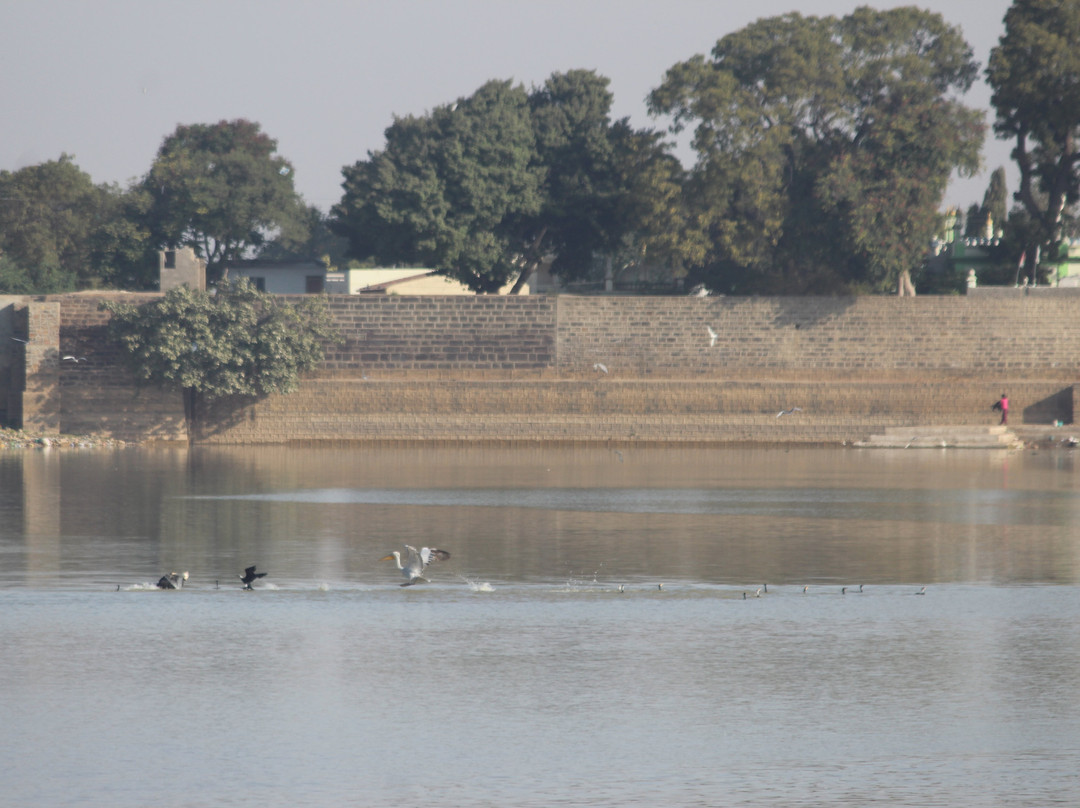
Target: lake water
x=521 y=675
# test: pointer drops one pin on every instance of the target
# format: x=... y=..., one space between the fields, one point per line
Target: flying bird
x=601 y=368
x=23 y=341
x=713 y=336
x=788 y=411
x=174 y=580
x=250 y=576
x=415 y=562
x=75 y=359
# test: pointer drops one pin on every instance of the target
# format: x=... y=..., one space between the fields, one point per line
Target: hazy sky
x=107 y=80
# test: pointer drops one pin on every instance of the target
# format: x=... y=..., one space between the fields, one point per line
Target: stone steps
x=941 y=436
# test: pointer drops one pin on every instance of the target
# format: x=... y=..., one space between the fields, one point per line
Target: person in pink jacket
x=1003 y=405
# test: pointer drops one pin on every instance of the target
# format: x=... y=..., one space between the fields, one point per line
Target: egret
x=713 y=336
x=789 y=411
x=600 y=367
x=416 y=561
x=250 y=576
x=174 y=580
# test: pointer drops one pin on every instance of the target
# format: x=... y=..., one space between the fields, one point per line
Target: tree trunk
x=191 y=400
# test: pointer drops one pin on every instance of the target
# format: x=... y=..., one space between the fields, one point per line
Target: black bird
x=174 y=580
x=250 y=576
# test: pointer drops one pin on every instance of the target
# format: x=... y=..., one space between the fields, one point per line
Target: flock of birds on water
x=413 y=564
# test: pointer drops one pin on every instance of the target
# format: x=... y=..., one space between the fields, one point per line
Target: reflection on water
x=522 y=675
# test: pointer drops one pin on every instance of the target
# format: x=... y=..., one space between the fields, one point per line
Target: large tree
x=824 y=146
x=1035 y=75
x=47 y=215
x=223 y=190
x=60 y=231
x=488 y=188
x=447 y=189
x=236 y=341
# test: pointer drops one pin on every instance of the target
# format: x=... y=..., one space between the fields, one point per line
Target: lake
x=732 y=626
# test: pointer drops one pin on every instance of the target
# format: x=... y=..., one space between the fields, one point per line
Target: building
x=181 y=267
x=280 y=277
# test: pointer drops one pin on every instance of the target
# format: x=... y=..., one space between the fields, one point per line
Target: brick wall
x=522 y=368
x=443 y=333
x=875 y=336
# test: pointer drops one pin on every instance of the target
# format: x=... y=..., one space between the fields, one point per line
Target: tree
x=446 y=188
x=321 y=243
x=578 y=217
x=488 y=188
x=47 y=214
x=1035 y=75
x=234 y=341
x=824 y=146
x=996 y=199
x=223 y=190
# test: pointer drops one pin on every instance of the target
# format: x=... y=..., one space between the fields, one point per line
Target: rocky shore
x=20 y=439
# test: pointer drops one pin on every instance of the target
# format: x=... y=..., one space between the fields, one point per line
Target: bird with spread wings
x=415 y=561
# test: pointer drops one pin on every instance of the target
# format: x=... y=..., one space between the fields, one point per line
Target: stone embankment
x=21 y=439
x=610 y=370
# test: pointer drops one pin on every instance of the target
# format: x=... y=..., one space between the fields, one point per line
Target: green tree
x=40 y=279
x=47 y=215
x=321 y=243
x=235 y=341
x=824 y=146
x=1035 y=75
x=578 y=217
x=657 y=228
x=223 y=190
x=448 y=189
x=487 y=189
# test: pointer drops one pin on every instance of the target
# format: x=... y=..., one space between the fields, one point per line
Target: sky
x=107 y=80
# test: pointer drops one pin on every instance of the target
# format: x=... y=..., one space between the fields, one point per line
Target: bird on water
x=250 y=576
x=174 y=580
x=414 y=562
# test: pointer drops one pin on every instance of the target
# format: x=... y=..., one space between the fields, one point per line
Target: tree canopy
x=824 y=146
x=1035 y=75
x=223 y=190
x=446 y=189
x=234 y=341
x=487 y=188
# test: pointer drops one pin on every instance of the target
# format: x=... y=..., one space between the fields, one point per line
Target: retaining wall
x=526 y=369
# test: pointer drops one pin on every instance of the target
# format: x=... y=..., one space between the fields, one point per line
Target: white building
x=280 y=277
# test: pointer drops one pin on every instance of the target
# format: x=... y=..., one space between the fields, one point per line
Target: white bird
x=174 y=580
x=23 y=341
x=600 y=367
x=76 y=359
x=416 y=561
x=713 y=336
x=789 y=411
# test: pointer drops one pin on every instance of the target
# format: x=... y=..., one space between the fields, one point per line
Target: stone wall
x=527 y=369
